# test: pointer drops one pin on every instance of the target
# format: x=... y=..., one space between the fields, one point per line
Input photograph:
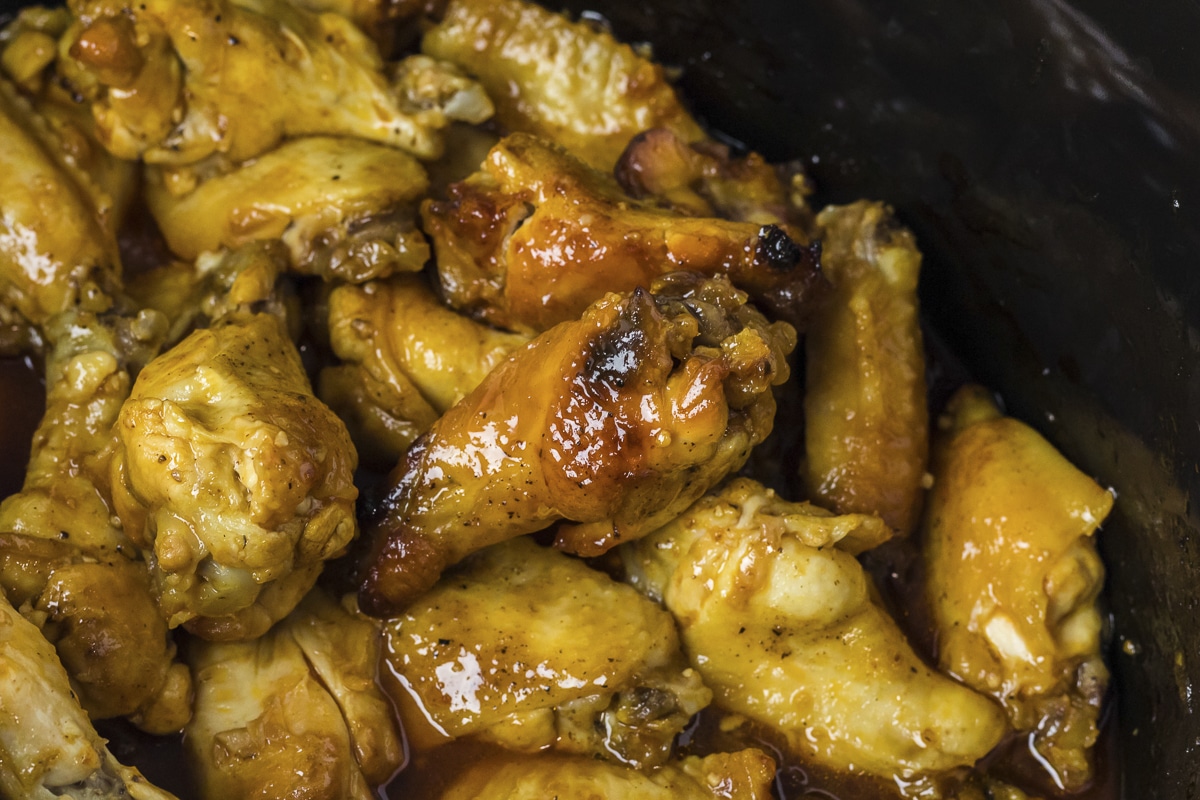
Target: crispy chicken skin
x=406 y=360
x=562 y=80
x=1014 y=576
x=702 y=179
x=345 y=208
x=55 y=253
x=782 y=626
x=536 y=236
x=296 y=713
x=745 y=775
x=612 y=423
x=866 y=435
x=48 y=747
x=532 y=649
x=175 y=81
x=234 y=476
x=64 y=560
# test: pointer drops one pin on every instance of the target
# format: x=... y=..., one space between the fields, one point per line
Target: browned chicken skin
x=614 y=422
x=537 y=235
x=566 y=81
x=704 y=180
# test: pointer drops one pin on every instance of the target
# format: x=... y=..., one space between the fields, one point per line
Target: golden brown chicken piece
x=55 y=252
x=1014 y=577
x=536 y=236
x=63 y=559
x=65 y=128
x=532 y=649
x=745 y=775
x=296 y=713
x=866 y=422
x=235 y=476
x=407 y=359
x=703 y=179
x=562 y=80
x=345 y=208
x=29 y=44
x=48 y=747
x=175 y=81
x=612 y=423
x=783 y=628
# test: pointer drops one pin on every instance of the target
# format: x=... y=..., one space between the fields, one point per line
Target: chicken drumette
x=612 y=423
x=537 y=235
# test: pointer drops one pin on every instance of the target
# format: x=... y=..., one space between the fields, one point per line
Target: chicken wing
x=562 y=80
x=175 y=81
x=614 y=423
x=235 y=476
x=745 y=775
x=1014 y=576
x=55 y=253
x=345 y=208
x=866 y=423
x=62 y=556
x=783 y=628
x=536 y=236
x=48 y=747
x=296 y=713
x=702 y=179
x=530 y=648
x=407 y=359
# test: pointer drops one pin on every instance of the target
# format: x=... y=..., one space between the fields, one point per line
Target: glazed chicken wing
x=55 y=253
x=48 y=747
x=745 y=775
x=1014 y=576
x=174 y=81
x=866 y=423
x=62 y=555
x=703 y=179
x=613 y=423
x=782 y=626
x=565 y=81
x=536 y=236
x=407 y=359
x=530 y=648
x=344 y=207
x=296 y=713
x=235 y=476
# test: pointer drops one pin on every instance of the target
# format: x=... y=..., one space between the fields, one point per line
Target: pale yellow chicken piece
x=407 y=359
x=703 y=179
x=55 y=253
x=536 y=235
x=63 y=557
x=1013 y=578
x=175 y=81
x=218 y=287
x=745 y=775
x=345 y=208
x=782 y=626
x=608 y=425
x=28 y=48
x=562 y=80
x=48 y=747
x=235 y=476
x=865 y=418
x=296 y=713
x=532 y=649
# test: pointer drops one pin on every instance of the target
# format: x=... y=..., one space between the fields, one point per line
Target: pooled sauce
x=23 y=398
